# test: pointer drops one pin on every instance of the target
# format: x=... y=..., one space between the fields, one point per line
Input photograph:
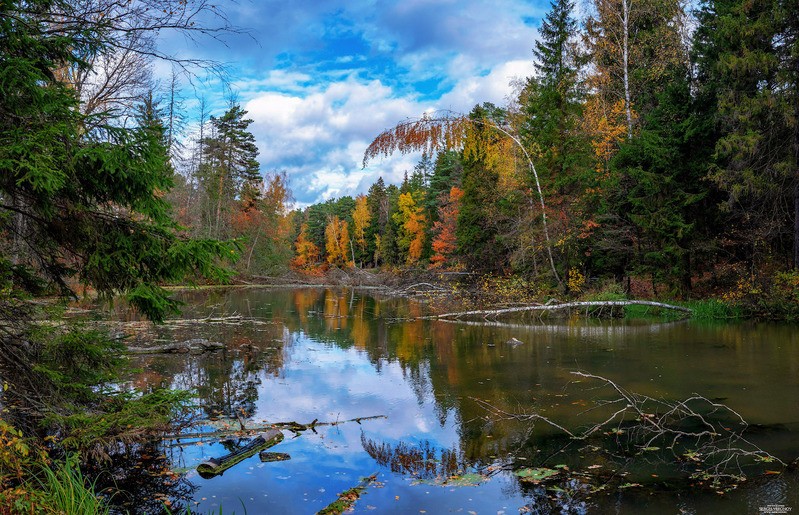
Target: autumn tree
x=361 y=219
x=338 y=243
x=444 y=240
x=449 y=131
x=306 y=253
x=262 y=220
x=412 y=224
x=632 y=45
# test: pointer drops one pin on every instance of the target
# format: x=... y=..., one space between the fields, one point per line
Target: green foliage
x=76 y=361
x=120 y=417
x=66 y=490
x=30 y=483
x=714 y=309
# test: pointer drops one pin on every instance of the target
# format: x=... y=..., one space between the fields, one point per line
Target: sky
x=322 y=78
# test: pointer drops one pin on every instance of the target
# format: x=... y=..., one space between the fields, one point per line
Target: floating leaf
x=535 y=475
x=470 y=479
x=651 y=448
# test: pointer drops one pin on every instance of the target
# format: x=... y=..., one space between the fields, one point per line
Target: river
x=456 y=398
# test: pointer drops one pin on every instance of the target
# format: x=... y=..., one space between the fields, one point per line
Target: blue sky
x=322 y=78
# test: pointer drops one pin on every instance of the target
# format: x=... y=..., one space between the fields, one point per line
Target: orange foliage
x=427 y=134
x=444 y=229
x=337 y=242
x=307 y=253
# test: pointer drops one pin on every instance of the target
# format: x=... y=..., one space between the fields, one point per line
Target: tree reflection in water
x=423 y=462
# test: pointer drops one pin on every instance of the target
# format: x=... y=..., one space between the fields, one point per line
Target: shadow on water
x=334 y=355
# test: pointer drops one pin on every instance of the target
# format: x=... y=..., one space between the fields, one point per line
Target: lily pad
x=535 y=475
x=470 y=479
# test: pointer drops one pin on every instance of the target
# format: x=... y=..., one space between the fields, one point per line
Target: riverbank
x=776 y=299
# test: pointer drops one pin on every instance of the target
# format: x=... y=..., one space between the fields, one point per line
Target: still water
x=447 y=390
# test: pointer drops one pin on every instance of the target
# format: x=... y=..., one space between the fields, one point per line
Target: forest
x=655 y=148
x=655 y=153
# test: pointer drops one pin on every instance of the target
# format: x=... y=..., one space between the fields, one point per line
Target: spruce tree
x=748 y=59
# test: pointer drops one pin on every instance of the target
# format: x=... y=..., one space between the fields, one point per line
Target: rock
x=514 y=342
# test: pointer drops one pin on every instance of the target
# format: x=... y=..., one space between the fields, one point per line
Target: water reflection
x=305 y=354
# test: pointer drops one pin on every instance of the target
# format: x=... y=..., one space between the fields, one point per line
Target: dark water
x=445 y=444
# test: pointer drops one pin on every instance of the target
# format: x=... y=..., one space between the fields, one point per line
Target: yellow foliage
x=360 y=221
x=337 y=242
x=576 y=280
x=307 y=253
x=412 y=223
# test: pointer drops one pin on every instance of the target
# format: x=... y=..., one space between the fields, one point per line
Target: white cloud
x=326 y=77
x=318 y=135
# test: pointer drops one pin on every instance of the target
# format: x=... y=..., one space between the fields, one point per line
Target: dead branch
x=194 y=346
x=709 y=435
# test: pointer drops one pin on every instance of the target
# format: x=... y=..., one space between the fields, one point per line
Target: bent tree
x=447 y=130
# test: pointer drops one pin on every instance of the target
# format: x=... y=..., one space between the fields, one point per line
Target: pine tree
x=229 y=166
x=85 y=201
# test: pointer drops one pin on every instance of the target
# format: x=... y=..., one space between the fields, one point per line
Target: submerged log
x=194 y=346
x=346 y=499
x=267 y=457
x=216 y=466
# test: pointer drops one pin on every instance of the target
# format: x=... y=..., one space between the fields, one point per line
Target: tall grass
x=714 y=309
x=708 y=309
x=67 y=490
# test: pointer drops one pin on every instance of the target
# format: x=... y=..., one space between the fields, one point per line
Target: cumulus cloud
x=327 y=76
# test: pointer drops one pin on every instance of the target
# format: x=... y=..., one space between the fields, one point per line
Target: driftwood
x=709 y=437
x=216 y=466
x=194 y=346
x=493 y=313
x=241 y=430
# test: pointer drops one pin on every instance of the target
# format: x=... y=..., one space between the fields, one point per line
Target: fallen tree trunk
x=216 y=466
x=493 y=313
x=290 y=426
x=194 y=346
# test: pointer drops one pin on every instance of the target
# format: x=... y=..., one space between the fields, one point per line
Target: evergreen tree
x=477 y=228
x=229 y=165
x=748 y=74
x=553 y=101
x=377 y=202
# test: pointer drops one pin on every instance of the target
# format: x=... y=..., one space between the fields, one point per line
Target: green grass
x=67 y=491
x=714 y=309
